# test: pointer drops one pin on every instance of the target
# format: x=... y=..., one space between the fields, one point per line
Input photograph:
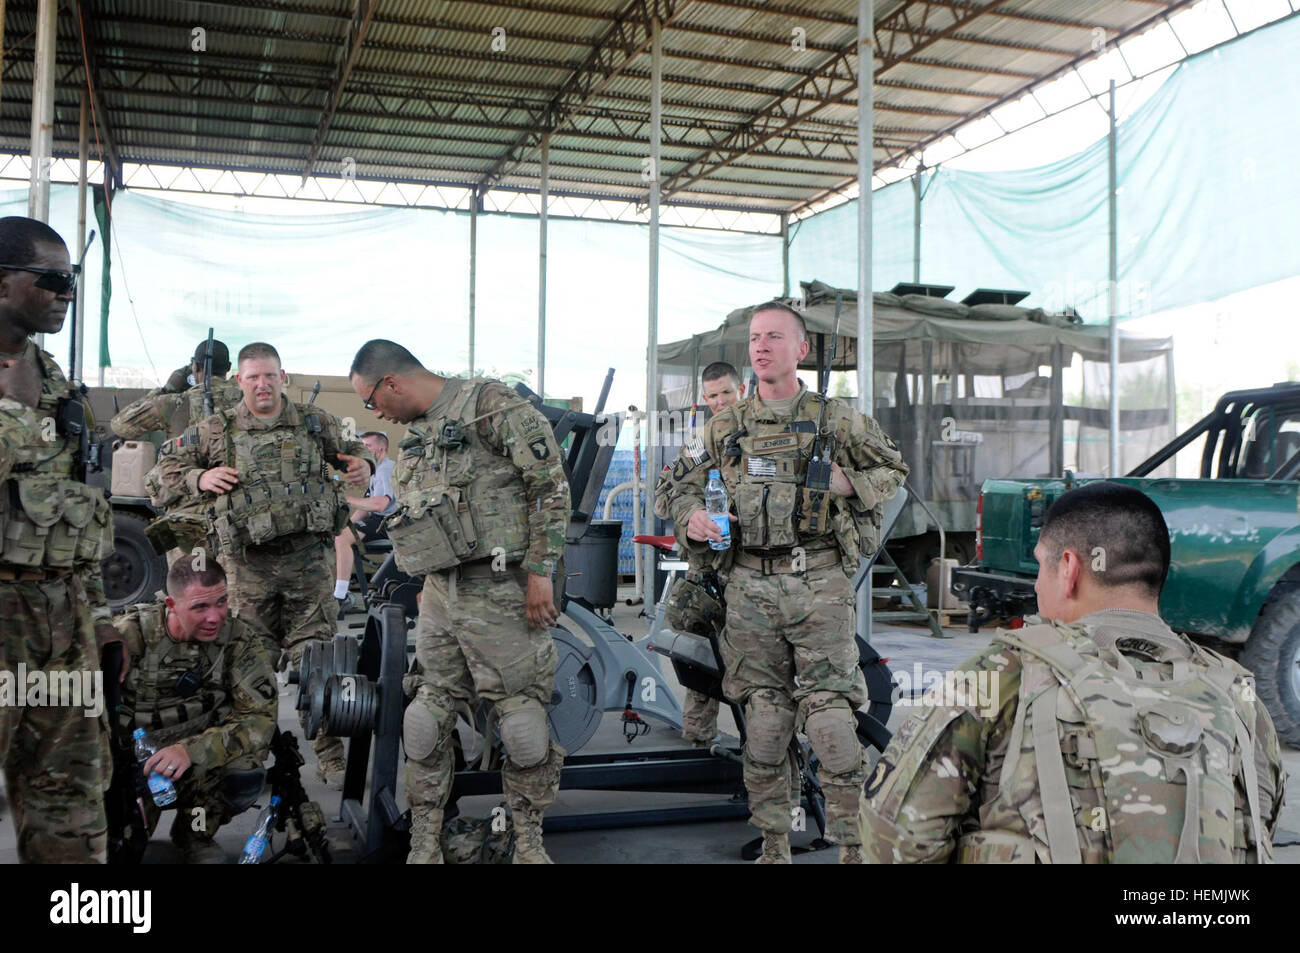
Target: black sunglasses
x=51 y=279
x=369 y=404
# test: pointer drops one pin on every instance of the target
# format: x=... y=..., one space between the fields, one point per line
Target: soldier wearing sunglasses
x=53 y=614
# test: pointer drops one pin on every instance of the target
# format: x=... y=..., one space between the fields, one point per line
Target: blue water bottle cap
x=138 y=733
x=275 y=800
x=715 y=474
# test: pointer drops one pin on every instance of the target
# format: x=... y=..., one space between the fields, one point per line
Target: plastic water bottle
x=715 y=500
x=255 y=846
x=162 y=789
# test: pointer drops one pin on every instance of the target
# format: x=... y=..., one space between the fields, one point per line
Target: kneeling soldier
x=201 y=686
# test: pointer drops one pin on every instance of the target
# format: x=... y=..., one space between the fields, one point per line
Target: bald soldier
x=790 y=645
x=483 y=509
x=1095 y=734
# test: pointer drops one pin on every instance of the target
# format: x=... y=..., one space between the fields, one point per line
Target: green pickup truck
x=1234 y=581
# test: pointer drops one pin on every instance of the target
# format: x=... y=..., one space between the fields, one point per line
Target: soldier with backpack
x=1110 y=738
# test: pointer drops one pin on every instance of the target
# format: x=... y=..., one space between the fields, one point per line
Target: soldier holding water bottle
x=791 y=659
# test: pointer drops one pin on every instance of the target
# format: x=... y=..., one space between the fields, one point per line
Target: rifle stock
x=208 y=408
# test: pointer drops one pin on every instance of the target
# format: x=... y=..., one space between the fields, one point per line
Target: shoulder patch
x=541 y=450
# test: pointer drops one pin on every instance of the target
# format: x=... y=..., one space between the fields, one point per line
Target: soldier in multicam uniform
x=259 y=471
x=789 y=644
x=155 y=410
x=1099 y=737
x=53 y=615
x=203 y=688
x=483 y=511
x=697 y=602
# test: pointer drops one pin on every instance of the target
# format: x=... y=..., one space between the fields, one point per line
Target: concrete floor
x=682 y=843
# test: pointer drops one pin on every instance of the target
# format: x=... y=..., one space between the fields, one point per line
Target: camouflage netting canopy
x=968 y=392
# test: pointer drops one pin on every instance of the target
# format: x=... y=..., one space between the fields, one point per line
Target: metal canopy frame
x=759 y=98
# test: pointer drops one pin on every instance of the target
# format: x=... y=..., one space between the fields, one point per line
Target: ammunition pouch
x=812 y=516
x=179 y=529
x=433 y=533
x=56 y=524
x=253 y=515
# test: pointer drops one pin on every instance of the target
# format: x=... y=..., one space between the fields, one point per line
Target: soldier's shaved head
x=258 y=350
x=379 y=357
x=182 y=575
x=1113 y=526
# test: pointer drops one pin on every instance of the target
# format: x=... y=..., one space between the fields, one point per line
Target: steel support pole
x=38 y=197
x=83 y=162
x=916 y=224
x=866 y=346
x=473 y=270
x=1112 y=286
x=651 y=461
x=2 y=42
x=785 y=254
x=541 y=270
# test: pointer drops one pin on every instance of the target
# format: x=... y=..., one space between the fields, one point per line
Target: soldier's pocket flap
x=42 y=502
x=78 y=505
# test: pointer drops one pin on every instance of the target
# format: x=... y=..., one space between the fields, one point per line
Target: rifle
x=814 y=499
x=300 y=818
x=128 y=825
x=208 y=408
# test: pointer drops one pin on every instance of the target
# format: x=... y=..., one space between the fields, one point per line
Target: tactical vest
x=150 y=697
x=50 y=519
x=458 y=500
x=764 y=466
x=282 y=487
x=1155 y=758
x=225 y=396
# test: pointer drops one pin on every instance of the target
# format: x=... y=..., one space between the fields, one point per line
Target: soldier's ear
x=170 y=603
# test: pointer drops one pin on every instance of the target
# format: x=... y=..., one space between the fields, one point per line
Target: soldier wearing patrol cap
x=154 y=411
x=259 y=471
x=789 y=644
x=54 y=618
x=1095 y=734
x=483 y=508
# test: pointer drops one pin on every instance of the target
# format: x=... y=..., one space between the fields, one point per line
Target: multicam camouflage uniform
x=51 y=598
x=789 y=644
x=275 y=531
x=155 y=410
x=225 y=722
x=1109 y=740
x=476 y=518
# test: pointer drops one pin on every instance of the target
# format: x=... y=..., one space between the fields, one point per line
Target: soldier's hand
x=219 y=480
x=840 y=484
x=358 y=471
x=171 y=762
x=539 y=602
x=701 y=528
x=179 y=382
x=18 y=381
x=106 y=634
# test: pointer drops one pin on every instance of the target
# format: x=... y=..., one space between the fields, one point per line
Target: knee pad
x=769 y=726
x=525 y=733
x=241 y=788
x=426 y=726
x=833 y=734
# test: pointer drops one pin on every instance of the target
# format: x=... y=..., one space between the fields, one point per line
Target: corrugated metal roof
x=759 y=107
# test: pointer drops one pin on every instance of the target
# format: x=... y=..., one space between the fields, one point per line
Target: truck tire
x=134 y=572
x=1273 y=654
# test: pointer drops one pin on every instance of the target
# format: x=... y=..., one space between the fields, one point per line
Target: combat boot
x=851 y=854
x=426 y=837
x=528 y=839
x=776 y=848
